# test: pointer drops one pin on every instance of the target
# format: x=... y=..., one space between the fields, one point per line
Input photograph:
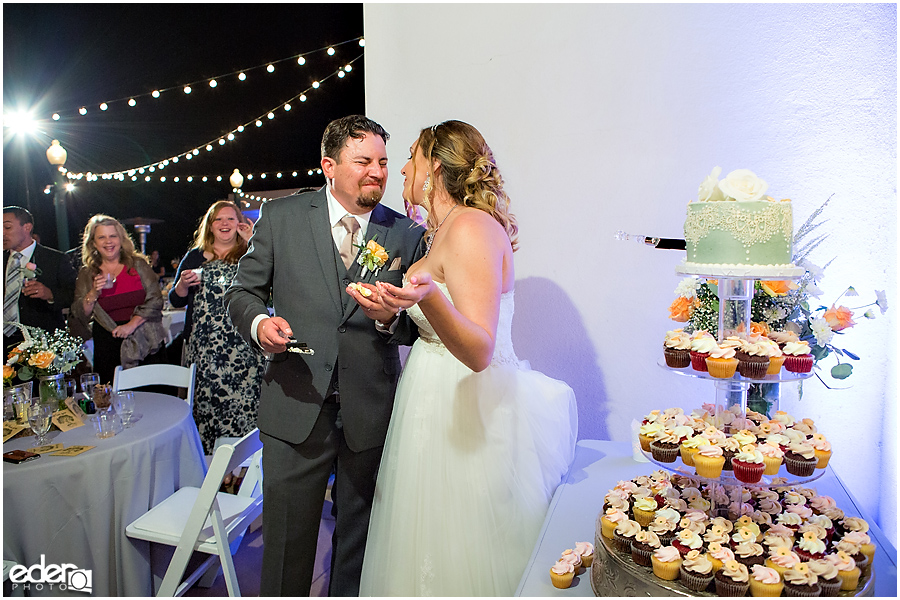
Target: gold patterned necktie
x=349 y=223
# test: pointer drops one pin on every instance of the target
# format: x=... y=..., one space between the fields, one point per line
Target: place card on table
x=46 y=449
x=10 y=430
x=72 y=451
x=76 y=410
x=66 y=420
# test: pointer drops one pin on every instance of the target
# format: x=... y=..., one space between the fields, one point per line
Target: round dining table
x=74 y=509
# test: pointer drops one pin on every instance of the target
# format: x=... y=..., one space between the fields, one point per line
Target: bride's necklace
x=430 y=239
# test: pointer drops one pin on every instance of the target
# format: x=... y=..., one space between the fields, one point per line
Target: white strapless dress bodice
x=469 y=467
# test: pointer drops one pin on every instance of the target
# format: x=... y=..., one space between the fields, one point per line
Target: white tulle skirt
x=470 y=464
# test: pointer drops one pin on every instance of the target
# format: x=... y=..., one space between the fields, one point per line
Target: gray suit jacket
x=292 y=255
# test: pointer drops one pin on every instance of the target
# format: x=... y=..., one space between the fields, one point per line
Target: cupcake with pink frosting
x=765 y=581
x=666 y=562
x=721 y=362
x=822 y=449
x=709 y=461
x=586 y=551
x=562 y=574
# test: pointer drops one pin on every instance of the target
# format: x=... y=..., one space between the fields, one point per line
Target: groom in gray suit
x=331 y=408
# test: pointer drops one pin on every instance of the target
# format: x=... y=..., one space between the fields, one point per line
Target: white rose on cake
x=744 y=186
x=709 y=188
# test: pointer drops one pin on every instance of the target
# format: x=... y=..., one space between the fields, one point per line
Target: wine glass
x=124 y=403
x=88 y=381
x=39 y=420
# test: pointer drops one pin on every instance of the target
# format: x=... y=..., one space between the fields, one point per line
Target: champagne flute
x=124 y=403
x=39 y=420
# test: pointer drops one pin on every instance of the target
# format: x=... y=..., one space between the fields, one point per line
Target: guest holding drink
x=226 y=395
x=117 y=300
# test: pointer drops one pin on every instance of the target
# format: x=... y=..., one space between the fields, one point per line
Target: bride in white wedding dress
x=478 y=442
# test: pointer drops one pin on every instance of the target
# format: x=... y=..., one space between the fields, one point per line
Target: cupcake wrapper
x=664 y=453
x=728 y=454
x=706 y=468
x=771 y=590
x=771 y=465
x=687 y=456
x=698 y=361
x=801 y=591
x=823 y=457
x=754 y=369
x=731 y=588
x=622 y=544
x=666 y=571
x=830 y=588
x=748 y=472
x=798 y=364
x=642 y=556
x=695 y=581
x=722 y=369
x=775 y=364
x=677 y=359
x=799 y=467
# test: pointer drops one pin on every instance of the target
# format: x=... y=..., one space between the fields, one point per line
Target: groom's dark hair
x=353 y=126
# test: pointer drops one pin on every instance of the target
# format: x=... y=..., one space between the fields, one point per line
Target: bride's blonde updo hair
x=470 y=174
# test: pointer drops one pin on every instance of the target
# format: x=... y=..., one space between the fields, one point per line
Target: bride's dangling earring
x=427 y=181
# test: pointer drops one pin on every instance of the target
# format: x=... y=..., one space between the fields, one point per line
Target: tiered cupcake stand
x=615 y=575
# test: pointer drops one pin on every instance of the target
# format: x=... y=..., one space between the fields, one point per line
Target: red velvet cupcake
x=797 y=358
x=748 y=465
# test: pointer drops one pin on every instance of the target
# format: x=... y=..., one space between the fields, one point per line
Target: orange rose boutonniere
x=372 y=256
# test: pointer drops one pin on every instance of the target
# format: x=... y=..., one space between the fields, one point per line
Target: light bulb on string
x=315 y=84
x=187 y=89
x=155 y=94
x=56 y=116
x=222 y=141
x=132 y=102
x=209 y=148
x=82 y=111
x=240 y=129
x=271 y=116
x=302 y=97
x=230 y=137
x=301 y=61
x=212 y=83
x=348 y=68
x=287 y=107
x=270 y=68
x=331 y=52
x=104 y=106
x=258 y=123
x=362 y=43
x=242 y=77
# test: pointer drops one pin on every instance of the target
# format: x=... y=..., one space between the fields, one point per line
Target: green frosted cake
x=735 y=229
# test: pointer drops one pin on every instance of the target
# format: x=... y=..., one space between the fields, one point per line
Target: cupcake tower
x=713 y=440
x=767 y=541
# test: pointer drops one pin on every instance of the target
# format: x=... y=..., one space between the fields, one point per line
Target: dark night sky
x=62 y=57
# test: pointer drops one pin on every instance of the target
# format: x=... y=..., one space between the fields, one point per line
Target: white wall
x=606 y=117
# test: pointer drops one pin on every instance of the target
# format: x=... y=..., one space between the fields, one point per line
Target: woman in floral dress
x=226 y=394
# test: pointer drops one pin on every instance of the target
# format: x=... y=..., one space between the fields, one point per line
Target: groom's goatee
x=369 y=200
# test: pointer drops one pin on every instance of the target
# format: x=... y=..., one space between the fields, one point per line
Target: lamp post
x=236 y=180
x=56 y=156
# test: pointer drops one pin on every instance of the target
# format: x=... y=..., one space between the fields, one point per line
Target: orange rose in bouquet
x=680 y=310
x=839 y=318
x=777 y=288
x=41 y=360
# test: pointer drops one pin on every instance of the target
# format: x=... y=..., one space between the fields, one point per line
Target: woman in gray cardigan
x=118 y=302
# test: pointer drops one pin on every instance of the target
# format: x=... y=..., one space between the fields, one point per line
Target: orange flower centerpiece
x=46 y=356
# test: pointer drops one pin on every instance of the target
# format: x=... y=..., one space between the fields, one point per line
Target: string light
x=213 y=81
x=208 y=146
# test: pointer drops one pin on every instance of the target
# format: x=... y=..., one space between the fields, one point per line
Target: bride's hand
x=372 y=304
x=417 y=289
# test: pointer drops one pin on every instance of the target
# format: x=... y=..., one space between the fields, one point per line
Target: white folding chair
x=205 y=519
x=182 y=377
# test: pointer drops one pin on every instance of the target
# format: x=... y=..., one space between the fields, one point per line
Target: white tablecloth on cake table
x=74 y=509
x=598 y=466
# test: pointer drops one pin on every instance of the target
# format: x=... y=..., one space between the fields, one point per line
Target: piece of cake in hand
x=361 y=289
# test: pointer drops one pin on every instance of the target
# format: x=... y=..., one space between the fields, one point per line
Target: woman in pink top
x=118 y=302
